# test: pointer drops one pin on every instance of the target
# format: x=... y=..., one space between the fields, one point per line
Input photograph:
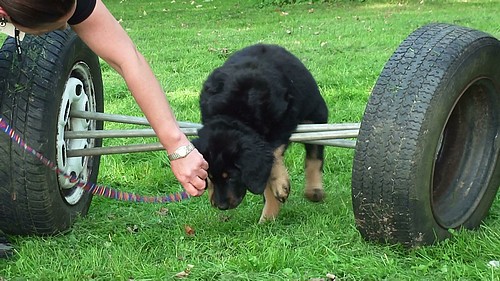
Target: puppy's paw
x=264 y=219
x=315 y=194
x=271 y=206
x=281 y=189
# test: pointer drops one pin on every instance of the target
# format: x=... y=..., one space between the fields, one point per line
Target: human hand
x=191 y=172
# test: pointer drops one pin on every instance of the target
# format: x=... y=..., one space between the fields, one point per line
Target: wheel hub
x=78 y=95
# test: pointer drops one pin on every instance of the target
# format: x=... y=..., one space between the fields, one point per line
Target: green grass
x=345 y=44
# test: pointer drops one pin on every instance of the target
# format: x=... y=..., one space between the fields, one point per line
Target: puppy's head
x=238 y=158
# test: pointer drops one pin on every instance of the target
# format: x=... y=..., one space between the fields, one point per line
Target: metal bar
x=335 y=143
x=129 y=133
x=122 y=118
x=300 y=137
x=158 y=147
x=302 y=128
x=323 y=138
x=143 y=121
x=115 y=149
x=322 y=134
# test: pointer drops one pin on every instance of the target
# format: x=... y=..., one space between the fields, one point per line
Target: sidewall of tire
x=401 y=134
x=43 y=208
x=73 y=52
x=475 y=63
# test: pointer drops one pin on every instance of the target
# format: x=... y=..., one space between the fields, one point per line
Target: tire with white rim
x=55 y=74
x=427 y=154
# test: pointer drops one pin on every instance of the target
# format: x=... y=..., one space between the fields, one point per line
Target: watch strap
x=181 y=152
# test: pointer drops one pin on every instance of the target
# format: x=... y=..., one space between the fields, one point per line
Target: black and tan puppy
x=249 y=108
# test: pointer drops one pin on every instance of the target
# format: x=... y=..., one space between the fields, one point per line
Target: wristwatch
x=181 y=152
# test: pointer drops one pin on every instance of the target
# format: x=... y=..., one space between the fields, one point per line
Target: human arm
x=105 y=36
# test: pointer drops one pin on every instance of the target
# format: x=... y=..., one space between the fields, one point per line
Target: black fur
x=249 y=108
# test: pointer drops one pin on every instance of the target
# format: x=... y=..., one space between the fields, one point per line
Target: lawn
x=345 y=44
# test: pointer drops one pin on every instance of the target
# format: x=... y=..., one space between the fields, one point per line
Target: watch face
x=183 y=151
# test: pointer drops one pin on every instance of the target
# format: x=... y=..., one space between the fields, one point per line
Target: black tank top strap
x=84 y=9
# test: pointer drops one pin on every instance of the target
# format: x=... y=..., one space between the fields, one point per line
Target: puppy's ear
x=211 y=96
x=268 y=98
x=255 y=164
x=215 y=81
x=279 y=100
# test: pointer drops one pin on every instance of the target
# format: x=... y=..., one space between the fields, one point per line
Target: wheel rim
x=79 y=94
x=466 y=154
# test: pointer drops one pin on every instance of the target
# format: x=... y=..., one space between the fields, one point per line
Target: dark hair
x=33 y=13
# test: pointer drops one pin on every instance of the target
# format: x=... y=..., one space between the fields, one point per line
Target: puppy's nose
x=223 y=205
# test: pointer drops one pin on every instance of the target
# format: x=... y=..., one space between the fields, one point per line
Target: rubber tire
x=426 y=158
x=31 y=200
x=6 y=56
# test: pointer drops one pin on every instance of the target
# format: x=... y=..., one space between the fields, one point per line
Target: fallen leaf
x=162 y=211
x=133 y=229
x=331 y=277
x=182 y=274
x=224 y=218
x=494 y=264
x=189 y=230
x=185 y=273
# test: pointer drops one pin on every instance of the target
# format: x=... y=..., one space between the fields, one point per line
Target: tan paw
x=271 y=206
x=315 y=194
x=264 y=219
x=281 y=188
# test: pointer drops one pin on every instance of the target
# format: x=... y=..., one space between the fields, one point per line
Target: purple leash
x=90 y=187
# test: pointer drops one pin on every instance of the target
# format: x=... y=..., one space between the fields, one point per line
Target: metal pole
x=122 y=118
x=301 y=137
x=322 y=134
x=302 y=128
x=143 y=121
x=158 y=147
x=323 y=138
x=335 y=143
x=115 y=149
x=133 y=133
x=129 y=133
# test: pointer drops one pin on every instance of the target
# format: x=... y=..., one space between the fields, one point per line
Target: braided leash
x=90 y=187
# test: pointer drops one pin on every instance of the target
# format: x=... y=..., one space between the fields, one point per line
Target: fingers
x=193 y=191
x=191 y=173
x=196 y=184
x=203 y=174
x=204 y=165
